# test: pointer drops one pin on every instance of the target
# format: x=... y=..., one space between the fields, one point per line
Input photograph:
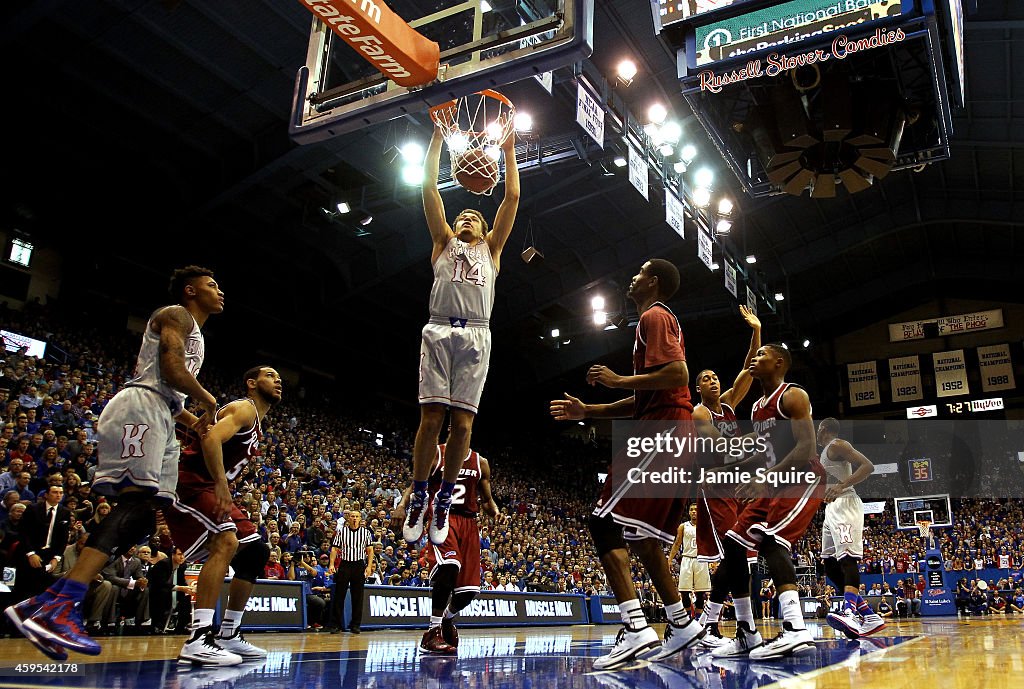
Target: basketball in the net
x=476 y=171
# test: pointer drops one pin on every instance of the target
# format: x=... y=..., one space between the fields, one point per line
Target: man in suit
x=43 y=537
x=125 y=572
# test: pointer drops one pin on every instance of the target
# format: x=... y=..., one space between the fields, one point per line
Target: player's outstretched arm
x=506 y=216
x=671 y=375
x=676 y=544
x=573 y=409
x=741 y=386
x=433 y=206
x=173 y=324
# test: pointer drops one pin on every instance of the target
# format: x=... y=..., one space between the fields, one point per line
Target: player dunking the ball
x=138 y=457
x=455 y=564
x=210 y=528
x=456 y=346
x=842 y=534
x=660 y=393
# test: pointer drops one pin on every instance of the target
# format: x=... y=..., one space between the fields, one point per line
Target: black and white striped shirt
x=352 y=543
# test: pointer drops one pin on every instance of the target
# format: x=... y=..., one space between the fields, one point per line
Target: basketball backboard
x=932 y=508
x=483 y=45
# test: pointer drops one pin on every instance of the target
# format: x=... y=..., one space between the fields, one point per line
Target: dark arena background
x=847 y=170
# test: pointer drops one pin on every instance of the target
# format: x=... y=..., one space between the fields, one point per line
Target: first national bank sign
x=404 y=606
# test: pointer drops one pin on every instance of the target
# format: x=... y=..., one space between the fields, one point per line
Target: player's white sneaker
x=415 y=517
x=872 y=623
x=439 y=523
x=712 y=639
x=237 y=644
x=629 y=643
x=745 y=641
x=788 y=642
x=203 y=649
x=679 y=638
x=848 y=622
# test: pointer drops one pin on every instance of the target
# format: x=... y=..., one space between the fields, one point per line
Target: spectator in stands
x=10 y=479
x=978 y=601
x=884 y=608
x=997 y=604
x=963 y=597
x=273 y=569
x=1017 y=601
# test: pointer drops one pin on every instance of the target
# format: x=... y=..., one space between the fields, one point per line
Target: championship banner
x=730 y=278
x=948 y=325
x=905 y=378
x=704 y=249
x=751 y=301
x=950 y=373
x=996 y=368
x=863 y=383
x=590 y=115
x=404 y=606
x=638 y=169
x=674 y=213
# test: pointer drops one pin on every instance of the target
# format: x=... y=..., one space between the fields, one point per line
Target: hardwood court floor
x=981 y=653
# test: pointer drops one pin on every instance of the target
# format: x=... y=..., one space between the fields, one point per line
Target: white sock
x=677 y=614
x=744 y=613
x=789 y=604
x=201 y=618
x=712 y=613
x=435 y=621
x=231 y=622
x=448 y=614
x=632 y=615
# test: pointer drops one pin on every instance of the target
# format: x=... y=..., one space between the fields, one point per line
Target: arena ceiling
x=145 y=133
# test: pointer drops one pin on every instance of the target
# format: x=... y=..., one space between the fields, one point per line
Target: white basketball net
x=922 y=527
x=480 y=121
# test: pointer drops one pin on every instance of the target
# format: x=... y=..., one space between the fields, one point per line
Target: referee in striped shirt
x=352 y=563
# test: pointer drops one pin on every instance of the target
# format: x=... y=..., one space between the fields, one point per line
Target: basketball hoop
x=475 y=127
x=923 y=526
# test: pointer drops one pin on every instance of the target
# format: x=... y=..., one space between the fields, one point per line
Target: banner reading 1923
x=905 y=378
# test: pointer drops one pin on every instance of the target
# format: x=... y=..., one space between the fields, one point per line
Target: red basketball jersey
x=726 y=422
x=238 y=450
x=775 y=427
x=464 y=500
x=659 y=341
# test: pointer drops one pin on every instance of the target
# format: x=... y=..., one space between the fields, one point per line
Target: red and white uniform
x=787 y=514
x=659 y=341
x=462 y=547
x=192 y=516
x=716 y=513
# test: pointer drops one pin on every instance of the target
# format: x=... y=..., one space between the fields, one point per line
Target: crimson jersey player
x=716 y=509
x=455 y=564
x=660 y=393
x=209 y=527
x=782 y=421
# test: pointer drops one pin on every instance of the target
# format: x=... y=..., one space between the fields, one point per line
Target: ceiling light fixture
x=626 y=71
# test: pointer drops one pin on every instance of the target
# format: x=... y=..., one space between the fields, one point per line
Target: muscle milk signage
x=272 y=605
x=397 y=606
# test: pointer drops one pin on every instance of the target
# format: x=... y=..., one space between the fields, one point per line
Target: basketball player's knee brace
x=442 y=585
x=250 y=560
x=835 y=573
x=461 y=600
x=128 y=524
x=780 y=564
x=851 y=576
x=736 y=574
x=606 y=533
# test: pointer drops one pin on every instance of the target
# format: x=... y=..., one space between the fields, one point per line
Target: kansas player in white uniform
x=138 y=456
x=456 y=346
x=693 y=574
x=842 y=534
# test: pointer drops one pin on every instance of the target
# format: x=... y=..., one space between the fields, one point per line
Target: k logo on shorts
x=131 y=441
